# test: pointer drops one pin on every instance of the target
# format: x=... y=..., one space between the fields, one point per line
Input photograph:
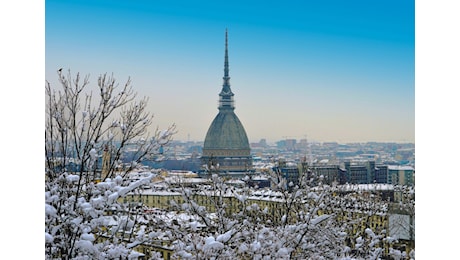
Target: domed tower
x=226 y=146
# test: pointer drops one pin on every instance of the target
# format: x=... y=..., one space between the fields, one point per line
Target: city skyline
x=336 y=71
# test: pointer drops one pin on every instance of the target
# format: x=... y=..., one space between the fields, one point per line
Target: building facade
x=352 y=205
x=401 y=175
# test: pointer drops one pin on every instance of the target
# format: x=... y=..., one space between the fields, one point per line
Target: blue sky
x=327 y=70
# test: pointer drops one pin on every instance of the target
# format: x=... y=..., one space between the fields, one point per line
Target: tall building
x=401 y=175
x=226 y=146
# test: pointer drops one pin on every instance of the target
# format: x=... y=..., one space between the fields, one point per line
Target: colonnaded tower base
x=226 y=146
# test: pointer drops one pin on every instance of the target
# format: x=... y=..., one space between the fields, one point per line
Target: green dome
x=226 y=132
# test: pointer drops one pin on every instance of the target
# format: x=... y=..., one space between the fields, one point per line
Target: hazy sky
x=326 y=70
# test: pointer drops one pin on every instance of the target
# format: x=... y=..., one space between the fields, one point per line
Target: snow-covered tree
x=307 y=229
x=232 y=223
x=92 y=141
x=305 y=220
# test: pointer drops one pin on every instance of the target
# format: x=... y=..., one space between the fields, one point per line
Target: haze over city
x=326 y=71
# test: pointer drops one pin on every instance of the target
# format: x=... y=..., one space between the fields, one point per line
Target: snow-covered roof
x=400 y=167
x=365 y=187
x=260 y=178
x=182 y=173
x=179 y=179
x=234 y=181
x=266 y=194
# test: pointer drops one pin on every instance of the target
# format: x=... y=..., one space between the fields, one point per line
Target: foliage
x=311 y=221
x=80 y=127
x=90 y=151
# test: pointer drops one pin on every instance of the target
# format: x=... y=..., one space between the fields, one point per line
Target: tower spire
x=226 y=95
x=226 y=74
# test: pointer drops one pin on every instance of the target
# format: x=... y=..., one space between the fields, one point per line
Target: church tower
x=226 y=146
